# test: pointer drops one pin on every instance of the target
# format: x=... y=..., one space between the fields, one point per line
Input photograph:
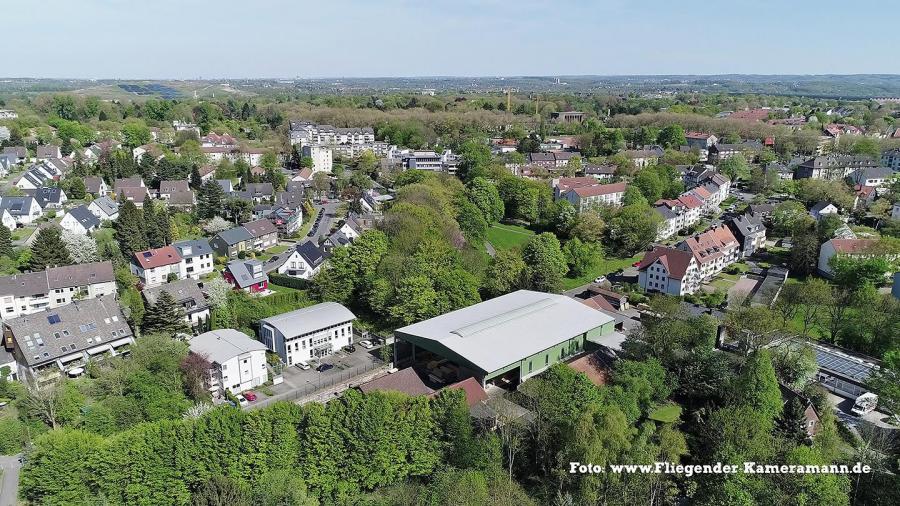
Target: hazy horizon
x=282 y=39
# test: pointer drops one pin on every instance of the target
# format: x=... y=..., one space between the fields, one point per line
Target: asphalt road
x=9 y=487
x=328 y=212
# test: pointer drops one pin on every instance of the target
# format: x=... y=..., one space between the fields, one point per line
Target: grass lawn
x=282 y=289
x=604 y=267
x=508 y=236
x=668 y=413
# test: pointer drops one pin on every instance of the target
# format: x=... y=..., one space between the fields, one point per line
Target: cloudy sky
x=375 y=38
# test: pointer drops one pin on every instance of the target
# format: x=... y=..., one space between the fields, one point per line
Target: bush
x=288 y=281
x=12 y=436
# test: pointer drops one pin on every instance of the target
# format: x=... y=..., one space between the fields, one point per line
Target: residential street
x=329 y=210
x=10 y=485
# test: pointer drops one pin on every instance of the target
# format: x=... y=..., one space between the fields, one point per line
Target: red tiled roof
x=603 y=189
x=150 y=259
x=711 y=244
x=697 y=135
x=473 y=390
x=674 y=260
x=690 y=201
x=567 y=183
x=751 y=115
x=702 y=192
x=404 y=380
x=850 y=246
x=864 y=191
x=592 y=367
x=598 y=302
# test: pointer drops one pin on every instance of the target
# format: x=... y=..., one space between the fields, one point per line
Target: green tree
x=48 y=250
x=757 y=386
x=650 y=184
x=210 y=199
x=672 y=136
x=165 y=316
x=6 y=247
x=483 y=193
x=632 y=229
x=886 y=382
x=545 y=262
x=77 y=189
x=130 y=231
x=791 y=424
x=581 y=257
x=58 y=471
x=222 y=491
x=476 y=157
x=505 y=274
x=735 y=167
x=136 y=134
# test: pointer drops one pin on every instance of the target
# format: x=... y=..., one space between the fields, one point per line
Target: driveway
x=9 y=489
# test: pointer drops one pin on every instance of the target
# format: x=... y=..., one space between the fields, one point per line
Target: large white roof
x=501 y=331
x=310 y=319
x=222 y=345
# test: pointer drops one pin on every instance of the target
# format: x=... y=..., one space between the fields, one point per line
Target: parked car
x=349 y=348
x=366 y=344
x=242 y=401
x=324 y=367
x=250 y=396
x=375 y=340
x=636 y=263
x=302 y=365
x=600 y=279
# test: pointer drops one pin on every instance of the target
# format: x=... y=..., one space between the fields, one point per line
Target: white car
x=243 y=401
x=600 y=279
x=302 y=365
x=366 y=344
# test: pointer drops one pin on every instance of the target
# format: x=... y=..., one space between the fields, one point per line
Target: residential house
x=263 y=234
x=183 y=201
x=8 y=114
x=259 y=192
x=167 y=188
x=713 y=250
x=286 y=220
x=648 y=155
x=321 y=157
x=80 y=220
x=811 y=422
x=864 y=196
x=28 y=293
x=196 y=257
x=19 y=153
x=568 y=116
x=96 y=186
x=759 y=114
x=37 y=176
x=677 y=214
x=215 y=140
x=603 y=172
x=23 y=210
x=303 y=261
x=6 y=219
x=762 y=211
x=587 y=197
x=700 y=140
x=135 y=194
x=822 y=209
x=246 y=275
x=47 y=152
x=187 y=295
x=750 y=233
x=7 y=162
x=832 y=167
x=891 y=158
x=721 y=152
x=156 y=266
x=104 y=208
x=228 y=243
x=895 y=211
x=860 y=248
x=226 y=186
x=872 y=176
x=48 y=197
x=373 y=201
x=237 y=361
x=309 y=333
x=669 y=270
x=207 y=173
x=60 y=342
x=128 y=182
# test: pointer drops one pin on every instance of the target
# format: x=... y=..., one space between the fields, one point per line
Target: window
x=529 y=366
x=547 y=359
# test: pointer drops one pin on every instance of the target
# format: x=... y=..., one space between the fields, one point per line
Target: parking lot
x=347 y=371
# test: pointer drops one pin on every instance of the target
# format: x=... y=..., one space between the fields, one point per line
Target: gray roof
x=38 y=283
x=85 y=217
x=80 y=325
x=243 y=274
x=17 y=206
x=871 y=173
x=746 y=224
x=222 y=345
x=80 y=274
x=184 y=291
x=310 y=319
x=313 y=255
x=92 y=184
x=234 y=235
x=197 y=246
x=107 y=205
x=506 y=329
x=819 y=206
x=260 y=227
x=46 y=195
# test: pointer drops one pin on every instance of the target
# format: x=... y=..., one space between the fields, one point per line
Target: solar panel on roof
x=54 y=318
x=147 y=254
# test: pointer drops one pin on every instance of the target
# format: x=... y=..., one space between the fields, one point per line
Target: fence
x=343 y=377
x=288 y=281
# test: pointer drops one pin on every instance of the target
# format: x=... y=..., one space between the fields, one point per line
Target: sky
x=189 y=39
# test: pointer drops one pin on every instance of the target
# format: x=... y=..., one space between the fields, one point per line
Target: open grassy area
x=668 y=413
x=604 y=267
x=308 y=220
x=508 y=236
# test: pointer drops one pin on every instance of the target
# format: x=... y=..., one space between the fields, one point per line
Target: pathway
x=9 y=489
